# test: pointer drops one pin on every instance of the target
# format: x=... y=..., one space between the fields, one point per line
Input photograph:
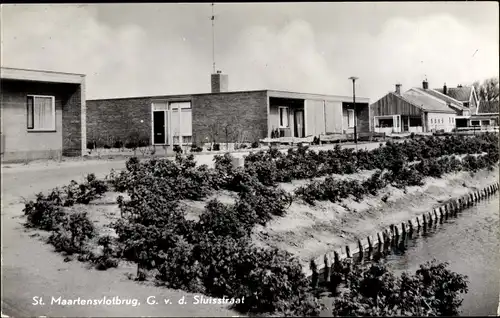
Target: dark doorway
x=406 y=123
x=461 y=122
x=159 y=127
x=299 y=123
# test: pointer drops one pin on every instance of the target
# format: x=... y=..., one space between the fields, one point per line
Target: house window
x=350 y=118
x=283 y=111
x=466 y=104
x=41 y=113
x=485 y=122
x=180 y=122
x=474 y=122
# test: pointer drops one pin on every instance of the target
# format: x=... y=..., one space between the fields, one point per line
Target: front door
x=159 y=127
x=299 y=124
x=406 y=123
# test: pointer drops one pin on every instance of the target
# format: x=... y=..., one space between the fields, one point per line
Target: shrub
x=196 y=148
x=259 y=202
x=118 y=144
x=91 y=189
x=107 y=259
x=72 y=233
x=255 y=144
x=180 y=269
x=216 y=147
x=222 y=220
x=177 y=149
x=46 y=212
x=374 y=291
x=330 y=189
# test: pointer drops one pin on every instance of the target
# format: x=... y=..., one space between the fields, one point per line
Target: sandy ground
x=308 y=232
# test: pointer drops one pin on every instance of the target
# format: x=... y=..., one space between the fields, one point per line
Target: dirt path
x=30 y=267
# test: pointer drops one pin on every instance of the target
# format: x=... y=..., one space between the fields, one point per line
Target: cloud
x=129 y=59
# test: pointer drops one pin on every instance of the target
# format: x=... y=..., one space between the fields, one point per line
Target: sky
x=166 y=48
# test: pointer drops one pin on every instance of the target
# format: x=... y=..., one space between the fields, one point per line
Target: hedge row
x=273 y=166
x=399 y=175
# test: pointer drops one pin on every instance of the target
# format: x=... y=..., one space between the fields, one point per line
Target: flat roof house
x=42 y=114
x=223 y=116
x=415 y=110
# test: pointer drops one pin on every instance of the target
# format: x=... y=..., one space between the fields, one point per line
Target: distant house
x=43 y=114
x=223 y=116
x=467 y=95
x=413 y=111
x=487 y=115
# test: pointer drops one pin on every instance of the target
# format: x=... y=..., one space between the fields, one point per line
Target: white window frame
x=287 y=117
x=350 y=123
x=35 y=129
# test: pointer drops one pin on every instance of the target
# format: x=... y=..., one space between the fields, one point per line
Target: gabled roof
x=426 y=102
x=451 y=101
x=488 y=107
x=462 y=94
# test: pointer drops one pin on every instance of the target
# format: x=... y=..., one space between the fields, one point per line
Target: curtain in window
x=43 y=116
x=350 y=117
x=284 y=117
x=30 y=112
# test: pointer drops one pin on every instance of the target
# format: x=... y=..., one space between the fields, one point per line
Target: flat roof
x=271 y=93
x=40 y=75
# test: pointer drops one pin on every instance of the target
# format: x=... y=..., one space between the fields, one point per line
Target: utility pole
x=353 y=79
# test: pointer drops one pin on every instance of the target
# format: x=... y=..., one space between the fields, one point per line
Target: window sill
x=41 y=130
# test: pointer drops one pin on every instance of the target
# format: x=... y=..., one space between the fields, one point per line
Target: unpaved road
x=31 y=269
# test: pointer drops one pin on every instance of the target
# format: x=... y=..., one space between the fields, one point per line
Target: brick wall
x=109 y=120
x=244 y=113
x=72 y=123
x=21 y=144
x=362 y=115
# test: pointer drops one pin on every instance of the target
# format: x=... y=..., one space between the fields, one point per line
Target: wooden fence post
x=315 y=274
x=360 y=247
x=327 y=268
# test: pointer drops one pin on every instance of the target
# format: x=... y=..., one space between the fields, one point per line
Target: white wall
x=333 y=117
x=438 y=121
x=314 y=117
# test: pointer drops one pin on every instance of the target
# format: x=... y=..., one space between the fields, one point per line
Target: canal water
x=470 y=243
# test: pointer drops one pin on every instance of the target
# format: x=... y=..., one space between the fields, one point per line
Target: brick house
x=223 y=116
x=42 y=114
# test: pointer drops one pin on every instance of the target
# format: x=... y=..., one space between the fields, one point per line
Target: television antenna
x=213 y=38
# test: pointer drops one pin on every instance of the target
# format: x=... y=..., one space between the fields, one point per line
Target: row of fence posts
x=374 y=249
